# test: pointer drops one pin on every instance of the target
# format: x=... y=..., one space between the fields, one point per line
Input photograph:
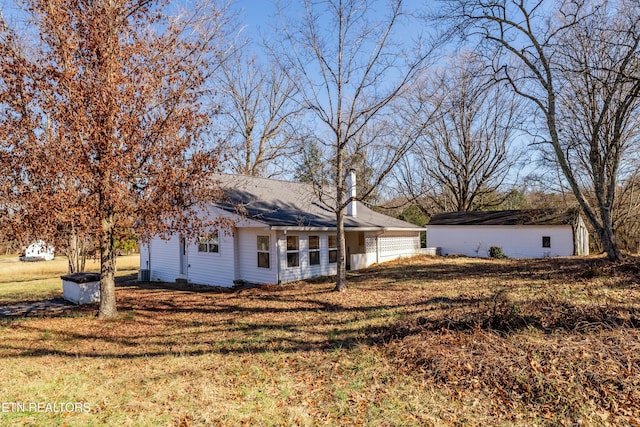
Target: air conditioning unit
x=144 y=275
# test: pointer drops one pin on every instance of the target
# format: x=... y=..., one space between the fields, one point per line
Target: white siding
x=325 y=268
x=165 y=259
x=207 y=268
x=144 y=256
x=238 y=256
x=515 y=241
x=247 y=256
x=217 y=269
x=304 y=270
x=382 y=247
x=203 y=268
x=359 y=261
x=581 y=244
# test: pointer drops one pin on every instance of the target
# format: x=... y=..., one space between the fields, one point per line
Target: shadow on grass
x=540 y=269
x=167 y=327
x=57 y=306
x=160 y=319
x=505 y=318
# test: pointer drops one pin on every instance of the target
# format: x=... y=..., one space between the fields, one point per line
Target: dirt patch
x=50 y=308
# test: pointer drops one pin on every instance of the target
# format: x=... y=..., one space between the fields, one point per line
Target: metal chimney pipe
x=352 y=209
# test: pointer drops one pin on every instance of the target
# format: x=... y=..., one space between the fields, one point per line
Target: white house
x=39 y=250
x=533 y=233
x=283 y=234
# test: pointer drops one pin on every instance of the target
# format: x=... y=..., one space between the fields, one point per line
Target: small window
x=293 y=254
x=263 y=252
x=314 y=250
x=546 y=241
x=333 y=249
x=209 y=244
x=423 y=239
x=361 y=239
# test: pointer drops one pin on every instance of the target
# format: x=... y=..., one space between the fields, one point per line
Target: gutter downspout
x=352 y=209
x=277 y=238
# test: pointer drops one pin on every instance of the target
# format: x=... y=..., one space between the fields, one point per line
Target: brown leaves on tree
x=101 y=120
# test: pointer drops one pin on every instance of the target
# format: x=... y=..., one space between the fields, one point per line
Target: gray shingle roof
x=291 y=204
x=508 y=217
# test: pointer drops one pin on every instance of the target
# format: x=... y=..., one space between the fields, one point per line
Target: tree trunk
x=608 y=238
x=107 y=271
x=603 y=228
x=341 y=278
x=83 y=259
x=72 y=253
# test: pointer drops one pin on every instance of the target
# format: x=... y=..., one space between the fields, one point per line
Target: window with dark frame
x=546 y=241
x=423 y=240
x=263 y=252
x=314 y=250
x=293 y=253
x=209 y=244
x=333 y=249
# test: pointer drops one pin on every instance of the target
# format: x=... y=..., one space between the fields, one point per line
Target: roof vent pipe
x=351 y=194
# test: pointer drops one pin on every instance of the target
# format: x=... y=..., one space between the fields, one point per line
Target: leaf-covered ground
x=426 y=341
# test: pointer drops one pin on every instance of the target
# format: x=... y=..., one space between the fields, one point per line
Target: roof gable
x=291 y=204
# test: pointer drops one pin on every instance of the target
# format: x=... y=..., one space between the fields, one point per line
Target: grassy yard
x=426 y=341
x=34 y=281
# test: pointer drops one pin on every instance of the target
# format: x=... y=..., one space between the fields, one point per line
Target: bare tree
x=349 y=68
x=464 y=156
x=579 y=67
x=100 y=121
x=258 y=109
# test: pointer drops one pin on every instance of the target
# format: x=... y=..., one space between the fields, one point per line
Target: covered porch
x=365 y=247
x=356 y=256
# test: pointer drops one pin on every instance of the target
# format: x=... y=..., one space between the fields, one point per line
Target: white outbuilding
x=282 y=232
x=533 y=233
x=39 y=250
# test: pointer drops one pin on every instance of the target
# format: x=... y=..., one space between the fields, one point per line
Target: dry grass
x=13 y=270
x=33 y=281
x=421 y=342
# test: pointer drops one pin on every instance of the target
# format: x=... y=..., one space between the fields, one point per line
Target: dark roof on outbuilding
x=291 y=204
x=507 y=217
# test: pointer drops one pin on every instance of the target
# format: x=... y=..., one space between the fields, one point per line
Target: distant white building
x=39 y=250
x=284 y=234
x=533 y=233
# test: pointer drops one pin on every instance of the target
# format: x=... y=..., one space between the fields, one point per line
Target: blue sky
x=256 y=15
x=259 y=17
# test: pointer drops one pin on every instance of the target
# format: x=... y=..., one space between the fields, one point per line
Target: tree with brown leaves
x=100 y=121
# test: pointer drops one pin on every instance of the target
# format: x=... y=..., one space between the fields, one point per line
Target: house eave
x=346 y=228
x=499 y=225
x=300 y=228
x=385 y=229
